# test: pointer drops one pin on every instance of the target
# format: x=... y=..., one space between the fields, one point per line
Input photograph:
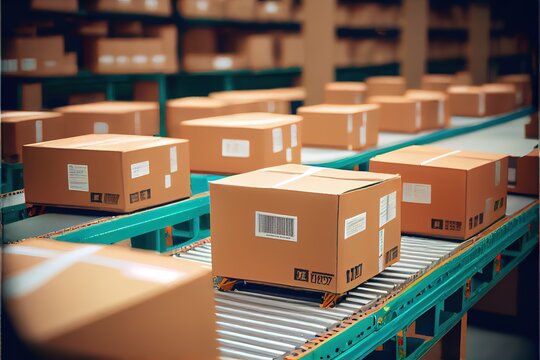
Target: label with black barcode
x=77 y=177
x=276 y=226
x=355 y=225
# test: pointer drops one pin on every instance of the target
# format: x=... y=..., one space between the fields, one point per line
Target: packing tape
x=439 y=157
x=308 y=172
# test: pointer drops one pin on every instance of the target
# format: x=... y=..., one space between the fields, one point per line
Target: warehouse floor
x=483 y=344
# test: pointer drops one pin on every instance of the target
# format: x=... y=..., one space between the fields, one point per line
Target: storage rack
x=448 y=278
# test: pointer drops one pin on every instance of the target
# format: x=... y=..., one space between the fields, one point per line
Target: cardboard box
x=276 y=100
x=146 y=7
x=522 y=83
x=386 y=85
x=200 y=41
x=435 y=112
x=118 y=173
x=437 y=82
x=362 y=51
x=127 y=296
x=342 y=15
x=233 y=144
x=127 y=28
x=92 y=28
x=463 y=78
x=86 y=98
x=213 y=62
x=209 y=9
x=111 y=117
x=523 y=174
x=447 y=193
x=342 y=53
x=32 y=97
x=345 y=92
x=531 y=129
x=240 y=9
x=274 y=10
x=259 y=51
x=290 y=50
x=55 y=5
x=398 y=113
x=146 y=91
x=169 y=38
x=327 y=229
x=27 y=127
x=351 y=127
x=485 y=100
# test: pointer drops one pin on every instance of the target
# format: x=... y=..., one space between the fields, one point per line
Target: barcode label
x=277 y=140
x=77 y=177
x=417 y=193
x=355 y=225
x=140 y=169
x=276 y=226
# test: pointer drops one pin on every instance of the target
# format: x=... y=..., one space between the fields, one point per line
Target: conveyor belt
x=255 y=326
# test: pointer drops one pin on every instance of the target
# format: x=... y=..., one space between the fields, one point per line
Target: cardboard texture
x=435 y=111
x=344 y=92
x=55 y=5
x=399 y=113
x=386 y=85
x=93 y=28
x=240 y=9
x=276 y=100
x=342 y=53
x=463 y=78
x=522 y=83
x=290 y=50
x=127 y=28
x=200 y=41
x=201 y=8
x=233 y=144
x=531 y=129
x=118 y=173
x=274 y=10
x=27 y=127
x=329 y=230
x=213 y=62
x=153 y=7
x=111 y=117
x=32 y=97
x=259 y=51
x=190 y=108
x=351 y=127
x=134 y=303
x=437 y=82
x=86 y=98
x=146 y=91
x=485 y=100
x=523 y=174
x=447 y=193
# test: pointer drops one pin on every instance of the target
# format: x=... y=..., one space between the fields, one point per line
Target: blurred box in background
x=146 y=7
x=209 y=9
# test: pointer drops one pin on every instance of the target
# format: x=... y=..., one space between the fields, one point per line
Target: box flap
x=425 y=95
x=20 y=116
x=109 y=107
x=439 y=157
x=108 y=142
x=385 y=80
x=499 y=88
x=390 y=99
x=464 y=89
x=346 y=86
x=337 y=109
x=285 y=94
x=245 y=120
x=438 y=78
x=197 y=101
x=306 y=179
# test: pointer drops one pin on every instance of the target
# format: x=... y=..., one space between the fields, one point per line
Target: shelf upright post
x=414 y=41
x=110 y=90
x=228 y=82
x=162 y=85
x=479 y=40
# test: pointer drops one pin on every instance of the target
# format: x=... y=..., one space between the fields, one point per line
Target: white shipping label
x=222 y=63
x=440 y=113
x=101 y=128
x=511 y=175
x=122 y=59
x=28 y=64
x=417 y=193
x=137 y=122
x=276 y=226
x=202 y=5
x=418 y=118
x=355 y=225
x=381 y=264
x=294 y=135
x=106 y=59
x=487 y=211
x=151 y=4
x=235 y=148
x=277 y=140
x=363 y=129
x=139 y=59
x=349 y=124
x=481 y=103
x=39 y=130
x=497 y=173
x=173 y=159
x=271 y=7
x=77 y=177
x=167 y=181
x=383 y=210
x=140 y=169
x=392 y=206
x=288 y=154
x=381 y=249
x=159 y=59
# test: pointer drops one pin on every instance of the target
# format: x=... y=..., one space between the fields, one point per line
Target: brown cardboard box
x=55 y=5
x=435 y=112
x=485 y=100
x=522 y=83
x=274 y=10
x=531 y=129
x=352 y=127
x=209 y=9
x=169 y=38
x=86 y=98
x=386 y=85
x=398 y=113
x=118 y=173
x=463 y=78
x=259 y=51
x=523 y=174
x=342 y=53
x=32 y=97
x=200 y=41
x=329 y=230
x=146 y=91
x=213 y=62
x=276 y=100
x=127 y=28
x=27 y=127
x=438 y=82
x=342 y=15
x=362 y=51
x=344 y=92
x=240 y=9
x=453 y=194
x=111 y=117
x=290 y=50
x=122 y=304
x=92 y=28
x=233 y=144
x=146 y=7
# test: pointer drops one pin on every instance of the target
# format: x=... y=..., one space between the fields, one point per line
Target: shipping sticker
x=77 y=177
x=288 y=155
x=355 y=225
x=173 y=159
x=294 y=135
x=363 y=130
x=39 y=131
x=277 y=140
x=101 y=127
x=140 y=169
x=349 y=124
x=417 y=193
x=235 y=148
x=383 y=210
x=276 y=226
x=391 y=206
x=497 y=173
x=167 y=181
